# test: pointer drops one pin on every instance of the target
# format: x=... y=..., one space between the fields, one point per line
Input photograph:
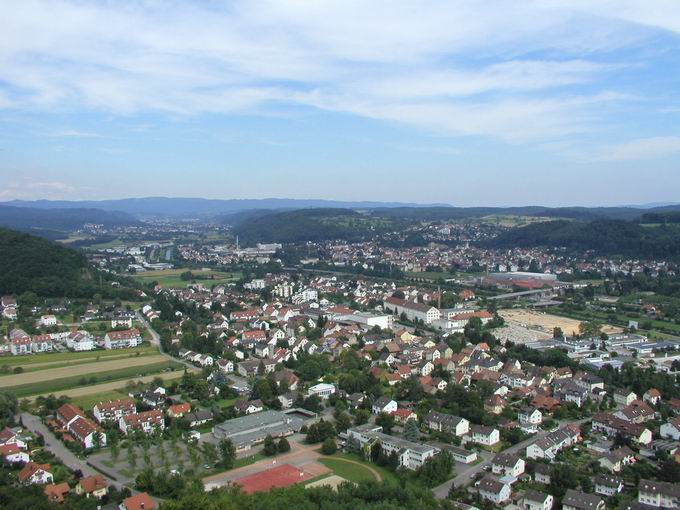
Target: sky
x=515 y=102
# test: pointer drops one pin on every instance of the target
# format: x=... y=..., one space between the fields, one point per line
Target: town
x=490 y=378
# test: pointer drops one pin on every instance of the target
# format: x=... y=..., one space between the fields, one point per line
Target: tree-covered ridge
x=604 y=237
x=25 y=218
x=313 y=225
x=33 y=264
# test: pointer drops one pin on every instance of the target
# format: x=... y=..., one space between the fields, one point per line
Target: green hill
x=312 y=225
x=604 y=237
x=33 y=264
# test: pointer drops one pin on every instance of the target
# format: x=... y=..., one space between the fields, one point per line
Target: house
x=42 y=343
x=384 y=405
x=462 y=455
x=671 y=429
x=8 y=436
x=288 y=399
x=20 y=342
x=198 y=418
x=495 y=404
x=225 y=365
x=617 y=459
x=659 y=494
x=67 y=414
x=122 y=339
x=549 y=446
x=288 y=378
x=80 y=341
x=113 y=410
x=401 y=416
x=47 y=321
x=146 y=421
x=94 y=486
x=652 y=396
x=33 y=473
x=179 y=410
x=637 y=412
x=448 y=423
x=624 y=397
x=542 y=473
x=413 y=311
x=487 y=436
x=248 y=406
x=507 y=464
x=141 y=501
x=87 y=433
x=56 y=493
x=608 y=485
x=12 y=454
x=410 y=455
x=612 y=425
x=321 y=390
x=536 y=500
x=575 y=500
x=530 y=418
x=492 y=489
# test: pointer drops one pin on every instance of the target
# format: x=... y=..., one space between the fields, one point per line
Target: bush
x=283 y=446
x=329 y=447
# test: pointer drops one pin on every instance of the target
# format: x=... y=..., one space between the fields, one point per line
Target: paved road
x=466 y=476
x=56 y=447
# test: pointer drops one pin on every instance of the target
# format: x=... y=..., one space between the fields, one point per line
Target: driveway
x=56 y=447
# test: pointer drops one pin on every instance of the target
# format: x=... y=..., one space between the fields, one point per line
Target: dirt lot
x=101 y=388
x=80 y=369
x=546 y=322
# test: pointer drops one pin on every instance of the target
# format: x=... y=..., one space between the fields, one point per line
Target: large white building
x=413 y=311
x=321 y=390
x=411 y=455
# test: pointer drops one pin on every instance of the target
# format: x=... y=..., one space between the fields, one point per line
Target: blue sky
x=558 y=102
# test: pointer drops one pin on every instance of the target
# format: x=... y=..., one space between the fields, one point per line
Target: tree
x=411 y=431
x=557 y=332
x=210 y=453
x=270 y=448
x=227 y=453
x=283 y=446
x=262 y=390
x=329 y=447
x=589 y=329
x=386 y=421
x=361 y=416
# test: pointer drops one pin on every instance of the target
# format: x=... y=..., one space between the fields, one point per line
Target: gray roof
x=581 y=500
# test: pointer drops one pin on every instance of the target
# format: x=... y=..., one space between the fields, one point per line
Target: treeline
x=33 y=264
x=661 y=217
x=348 y=496
x=28 y=218
x=604 y=237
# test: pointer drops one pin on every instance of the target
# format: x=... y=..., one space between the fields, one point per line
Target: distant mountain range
x=203 y=207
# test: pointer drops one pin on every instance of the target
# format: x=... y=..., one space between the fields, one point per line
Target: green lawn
x=66 y=383
x=355 y=472
x=72 y=356
x=88 y=401
x=171 y=277
x=226 y=402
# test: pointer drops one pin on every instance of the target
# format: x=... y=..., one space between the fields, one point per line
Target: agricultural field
x=546 y=323
x=56 y=358
x=170 y=278
x=53 y=380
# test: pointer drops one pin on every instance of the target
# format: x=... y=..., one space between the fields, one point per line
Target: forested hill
x=312 y=225
x=53 y=222
x=604 y=237
x=33 y=264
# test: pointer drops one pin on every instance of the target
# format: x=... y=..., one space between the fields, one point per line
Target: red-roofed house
x=141 y=501
x=179 y=410
x=35 y=473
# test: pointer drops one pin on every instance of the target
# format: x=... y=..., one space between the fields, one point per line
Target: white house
x=487 y=436
x=608 y=485
x=441 y=422
x=384 y=405
x=492 y=489
x=671 y=429
x=122 y=339
x=508 y=464
x=225 y=365
x=530 y=419
x=624 y=397
x=536 y=500
x=48 y=321
x=410 y=455
x=80 y=341
x=659 y=494
x=12 y=454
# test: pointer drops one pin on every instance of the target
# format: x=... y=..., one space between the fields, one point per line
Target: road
x=56 y=447
x=156 y=340
x=465 y=477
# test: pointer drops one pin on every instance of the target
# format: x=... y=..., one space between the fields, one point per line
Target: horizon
x=564 y=103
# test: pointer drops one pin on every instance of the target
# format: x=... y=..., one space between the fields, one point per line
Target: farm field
x=36 y=367
x=106 y=390
x=546 y=322
x=170 y=278
x=62 y=357
x=79 y=370
x=88 y=377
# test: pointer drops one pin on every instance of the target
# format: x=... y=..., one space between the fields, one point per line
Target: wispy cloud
x=72 y=133
x=516 y=71
x=641 y=149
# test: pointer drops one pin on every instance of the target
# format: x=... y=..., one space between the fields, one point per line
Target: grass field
x=97 y=390
x=89 y=378
x=61 y=357
x=355 y=469
x=170 y=278
x=88 y=401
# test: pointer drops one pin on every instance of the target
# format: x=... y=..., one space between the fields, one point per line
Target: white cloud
x=455 y=68
x=641 y=148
